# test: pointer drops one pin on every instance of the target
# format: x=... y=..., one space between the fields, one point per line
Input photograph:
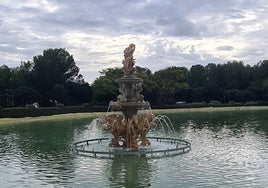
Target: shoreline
x=211 y=109
x=8 y=121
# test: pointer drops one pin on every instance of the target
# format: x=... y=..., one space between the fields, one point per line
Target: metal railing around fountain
x=164 y=147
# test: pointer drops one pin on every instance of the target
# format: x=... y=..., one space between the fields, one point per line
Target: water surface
x=229 y=149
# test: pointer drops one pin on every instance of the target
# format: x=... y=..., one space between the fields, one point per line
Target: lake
x=229 y=149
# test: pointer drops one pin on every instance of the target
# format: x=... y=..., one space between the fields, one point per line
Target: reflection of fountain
x=129 y=172
x=129 y=130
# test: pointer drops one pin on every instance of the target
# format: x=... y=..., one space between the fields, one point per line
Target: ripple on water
x=230 y=152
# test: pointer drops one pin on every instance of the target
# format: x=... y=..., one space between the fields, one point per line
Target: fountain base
x=160 y=147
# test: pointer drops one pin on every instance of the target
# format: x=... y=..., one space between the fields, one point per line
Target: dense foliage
x=49 y=79
x=53 y=77
x=230 y=82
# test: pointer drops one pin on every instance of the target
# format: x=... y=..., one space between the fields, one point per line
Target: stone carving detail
x=133 y=130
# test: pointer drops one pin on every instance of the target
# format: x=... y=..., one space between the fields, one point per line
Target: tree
x=197 y=76
x=55 y=66
x=22 y=76
x=248 y=96
x=237 y=75
x=235 y=95
x=211 y=73
x=150 y=89
x=182 y=92
x=213 y=92
x=259 y=83
x=5 y=75
x=197 y=94
x=78 y=93
x=105 y=87
x=59 y=93
x=25 y=95
x=167 y=80
x=5 y=90
x=262 y=70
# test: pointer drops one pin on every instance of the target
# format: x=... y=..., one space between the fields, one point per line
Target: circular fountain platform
x=160 y=147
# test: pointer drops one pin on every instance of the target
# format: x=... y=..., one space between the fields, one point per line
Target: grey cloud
x=8 y=48
x=225 y=48
x=33 y=29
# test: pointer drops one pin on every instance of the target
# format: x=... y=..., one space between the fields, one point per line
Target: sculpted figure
x=118 y=129
x=143 y=127
x=129 y=61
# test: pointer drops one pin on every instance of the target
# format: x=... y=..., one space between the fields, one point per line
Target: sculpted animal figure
x=117 y=128
x=143 y=127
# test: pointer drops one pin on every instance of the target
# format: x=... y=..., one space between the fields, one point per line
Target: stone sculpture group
x=130 y=130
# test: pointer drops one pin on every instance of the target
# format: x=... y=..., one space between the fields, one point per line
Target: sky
x=166 y=32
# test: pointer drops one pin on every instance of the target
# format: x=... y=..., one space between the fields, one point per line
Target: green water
x=229 y=149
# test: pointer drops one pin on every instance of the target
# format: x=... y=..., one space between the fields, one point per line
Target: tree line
x=53 y=78
x=229 y=82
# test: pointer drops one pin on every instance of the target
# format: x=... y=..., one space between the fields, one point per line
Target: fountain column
x=130 y=100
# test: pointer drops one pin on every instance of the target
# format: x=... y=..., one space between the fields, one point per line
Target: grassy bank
x=8 y=121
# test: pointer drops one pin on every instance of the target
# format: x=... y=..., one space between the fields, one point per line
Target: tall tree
x=169 y=80
x=237 y=75
x=150 y=89
x=197 y=76
x=5 y=75
x=78 y=93
x=5 y=90
x=54 y=66
x=213 y=92
x=105 y=87
x=211 y=73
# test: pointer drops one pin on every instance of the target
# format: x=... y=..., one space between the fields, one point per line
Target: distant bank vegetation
x=52 y=79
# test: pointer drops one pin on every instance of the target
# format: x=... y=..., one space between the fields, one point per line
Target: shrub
x=59 y=105
x=251 y=103
x=87 y=105
x=30 y=106
x=214 y=102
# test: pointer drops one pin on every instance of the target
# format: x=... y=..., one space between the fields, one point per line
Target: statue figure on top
x=129 y=61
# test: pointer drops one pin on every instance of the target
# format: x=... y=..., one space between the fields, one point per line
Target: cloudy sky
x=166 y=32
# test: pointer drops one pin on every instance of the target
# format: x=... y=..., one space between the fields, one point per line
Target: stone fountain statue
x=131 y=129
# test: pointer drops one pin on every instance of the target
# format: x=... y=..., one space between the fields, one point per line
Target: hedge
x=29 y=111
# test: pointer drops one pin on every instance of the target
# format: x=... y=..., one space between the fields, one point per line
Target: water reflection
x=229 y=149
x=129 y=172
x=236 y=121
x=39 y=152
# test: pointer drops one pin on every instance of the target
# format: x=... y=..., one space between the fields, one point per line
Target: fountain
x=130 y=130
